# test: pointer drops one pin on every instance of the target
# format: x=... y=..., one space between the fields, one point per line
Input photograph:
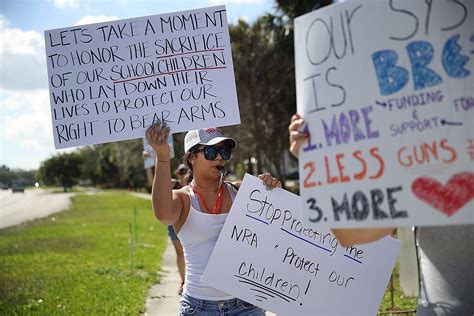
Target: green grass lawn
x=78 y=262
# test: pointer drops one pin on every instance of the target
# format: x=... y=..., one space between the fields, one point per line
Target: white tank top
x=198 y=235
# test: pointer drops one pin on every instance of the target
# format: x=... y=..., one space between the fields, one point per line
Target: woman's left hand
x=269 y=181
x=297 y=138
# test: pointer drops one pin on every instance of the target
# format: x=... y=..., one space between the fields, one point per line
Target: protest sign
x=266 y=256
x=110 y=81
x=149 y=161
x=387 y=91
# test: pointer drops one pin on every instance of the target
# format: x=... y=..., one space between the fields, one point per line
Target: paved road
x=16 y=208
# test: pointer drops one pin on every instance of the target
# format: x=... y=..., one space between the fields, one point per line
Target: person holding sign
x=198 y=212
x=444 y=264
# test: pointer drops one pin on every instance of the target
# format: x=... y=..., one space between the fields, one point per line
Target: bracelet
x=163 y=160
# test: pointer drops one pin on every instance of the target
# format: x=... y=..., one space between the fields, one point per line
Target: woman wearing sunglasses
x=198 y=212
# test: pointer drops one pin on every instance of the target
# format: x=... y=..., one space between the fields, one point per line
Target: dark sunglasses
x=210 y=152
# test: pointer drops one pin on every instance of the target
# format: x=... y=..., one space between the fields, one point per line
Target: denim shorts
x=233 y=307
x=172 y=233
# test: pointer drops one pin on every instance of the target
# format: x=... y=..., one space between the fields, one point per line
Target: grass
x=400 y=301
x=78 y=262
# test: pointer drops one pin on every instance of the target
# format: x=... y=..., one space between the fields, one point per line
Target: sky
x=26 y=137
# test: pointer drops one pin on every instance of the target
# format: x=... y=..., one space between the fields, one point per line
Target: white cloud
x=27 y=124
x=66 y=4
x=30 y=121
x=89 y=19
x=23 y=58
x=25 y=133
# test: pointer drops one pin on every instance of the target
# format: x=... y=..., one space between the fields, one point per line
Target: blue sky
x=25 y=123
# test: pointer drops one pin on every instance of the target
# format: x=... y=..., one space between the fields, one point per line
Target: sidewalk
x=163 y=298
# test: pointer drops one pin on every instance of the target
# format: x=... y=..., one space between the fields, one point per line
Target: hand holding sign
x=297 y=138
x=268 y=257
x=157 y=136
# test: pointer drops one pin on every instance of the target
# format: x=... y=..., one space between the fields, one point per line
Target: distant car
x=17 y=186
x=4 y=186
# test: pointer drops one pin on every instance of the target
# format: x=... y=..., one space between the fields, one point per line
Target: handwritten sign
x=149 y=161
x=266 y=256
x=387 y=89
x=110 y=81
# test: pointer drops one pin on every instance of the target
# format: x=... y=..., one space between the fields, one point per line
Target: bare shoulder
x=182 y=195
x=182 y=192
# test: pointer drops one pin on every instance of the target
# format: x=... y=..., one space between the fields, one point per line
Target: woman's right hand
x=157 y=136
x=296 y=138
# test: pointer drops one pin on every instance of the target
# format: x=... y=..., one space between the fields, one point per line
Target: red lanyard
x=217 y=205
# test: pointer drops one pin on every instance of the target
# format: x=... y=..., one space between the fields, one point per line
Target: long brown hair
x=187 y=162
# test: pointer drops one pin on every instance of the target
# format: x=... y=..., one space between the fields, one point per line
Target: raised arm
x=166 y=203
x=352 y=236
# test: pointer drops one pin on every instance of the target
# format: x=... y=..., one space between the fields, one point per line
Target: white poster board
x=149 y=161
x=266 y=256
x=387 y=90
x=110 y=81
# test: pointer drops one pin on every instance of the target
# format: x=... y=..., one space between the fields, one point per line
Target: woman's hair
x=187 y=162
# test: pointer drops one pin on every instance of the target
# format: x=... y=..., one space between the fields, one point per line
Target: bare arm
x=351 y=236
x=166 y=204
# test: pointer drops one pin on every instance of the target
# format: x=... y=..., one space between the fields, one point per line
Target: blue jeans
x=233 y=307
x=172 y=233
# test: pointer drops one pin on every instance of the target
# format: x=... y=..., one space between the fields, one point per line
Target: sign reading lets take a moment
x=266 y=256
x=387 y=90
x=110 y=81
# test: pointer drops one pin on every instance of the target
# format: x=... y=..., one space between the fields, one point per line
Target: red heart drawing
x=449 y=198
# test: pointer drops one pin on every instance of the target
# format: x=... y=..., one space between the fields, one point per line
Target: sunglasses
x=210 y=152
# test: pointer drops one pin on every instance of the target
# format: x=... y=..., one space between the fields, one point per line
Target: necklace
x=217 y=205
x=194 y=184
